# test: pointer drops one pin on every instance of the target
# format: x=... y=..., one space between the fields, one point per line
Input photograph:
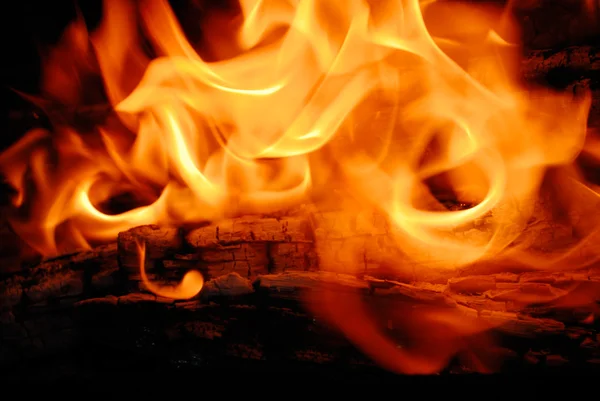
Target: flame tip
x=368 y=105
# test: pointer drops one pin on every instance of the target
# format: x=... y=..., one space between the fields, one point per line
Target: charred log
x=580 y=59
x=575 y=69
x=259 y=271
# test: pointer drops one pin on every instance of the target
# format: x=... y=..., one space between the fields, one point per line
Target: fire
x=381 y=98
x=189 y=287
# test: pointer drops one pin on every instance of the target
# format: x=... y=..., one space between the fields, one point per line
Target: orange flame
x=435 y=334
x=377 y=98
x=190 y=286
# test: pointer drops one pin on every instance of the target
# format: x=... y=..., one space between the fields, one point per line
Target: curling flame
x=189 y=287
x=382 y=103
x=253 y=132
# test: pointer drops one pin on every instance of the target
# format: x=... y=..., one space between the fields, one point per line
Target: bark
x=541 y=62
x=258 y=271
x=575 y=68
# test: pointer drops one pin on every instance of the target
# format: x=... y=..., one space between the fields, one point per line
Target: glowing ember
x=379 y=97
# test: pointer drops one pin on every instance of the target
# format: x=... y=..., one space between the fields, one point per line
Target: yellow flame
x=377 y=98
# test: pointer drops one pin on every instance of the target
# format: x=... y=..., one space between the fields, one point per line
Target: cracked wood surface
x=76 y=298
x=583 y=59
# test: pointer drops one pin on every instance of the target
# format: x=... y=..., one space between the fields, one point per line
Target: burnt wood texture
x=89 y=312
x=259 y=271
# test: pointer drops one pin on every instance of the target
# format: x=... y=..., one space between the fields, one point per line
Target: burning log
x=357 y=244
x=572 y=68
x=583 y=59
x=247 y=246
x=267 y=278
x=259 y=271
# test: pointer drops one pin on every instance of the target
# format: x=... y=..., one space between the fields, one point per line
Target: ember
x=383 y=162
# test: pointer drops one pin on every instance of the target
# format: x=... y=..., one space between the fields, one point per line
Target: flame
x=434 y=335
x=190 y=285
x=377 y=98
